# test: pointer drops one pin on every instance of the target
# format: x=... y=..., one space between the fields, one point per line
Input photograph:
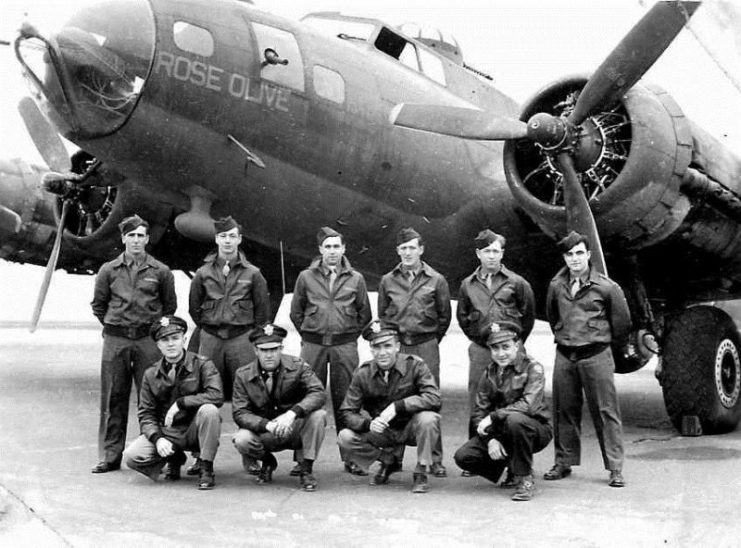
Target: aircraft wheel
x=702 y=369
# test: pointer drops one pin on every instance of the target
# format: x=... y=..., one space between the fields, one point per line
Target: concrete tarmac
x=680 y=491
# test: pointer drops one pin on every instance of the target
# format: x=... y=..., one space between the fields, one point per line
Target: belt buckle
x=327 y=339
x=132 y=332
x=408 y=340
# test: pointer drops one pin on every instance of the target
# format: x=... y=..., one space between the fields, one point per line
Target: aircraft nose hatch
x=88 y=73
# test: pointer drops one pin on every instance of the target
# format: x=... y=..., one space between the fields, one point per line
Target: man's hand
x=284 y=424
x=483 y=425
x=388 y=414
x=496 y=450
x=170 y=416
x=164 y=447
x=271 y=427
x=378 y=425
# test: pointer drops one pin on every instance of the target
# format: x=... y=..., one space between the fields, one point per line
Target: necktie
x=332 y=278
x=269 y=384
x=386 y=377
x=410 y=274
x=226 y=269
x=488 y=281
x=575 y=284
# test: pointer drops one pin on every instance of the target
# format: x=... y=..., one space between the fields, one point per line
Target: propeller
x=44 y=136
x=558 y=136
x=51 y=265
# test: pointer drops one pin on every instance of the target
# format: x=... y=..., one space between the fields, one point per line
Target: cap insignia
x=164 y=322
x=376 y=327
x=495 y=328
x=268 y=330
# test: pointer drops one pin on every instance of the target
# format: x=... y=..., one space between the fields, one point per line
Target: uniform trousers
x=122 y=360
x=429 y=351
x=479 y=358
x=342 y=360
x=306 y=437
x=202 y=434
x=521 y=435
x=422 y=431
x=595 y=376
x=228 y=355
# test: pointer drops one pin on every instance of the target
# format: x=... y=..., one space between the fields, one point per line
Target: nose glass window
x=89 y=70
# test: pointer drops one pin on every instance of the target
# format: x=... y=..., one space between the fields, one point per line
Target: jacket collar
x=254 y=371
x=564 y=275
x=503 y=270
x=520 y=364
x=401 y=365
x=121 y=260
x=343 y=267
x=186 y=362
x=424 y=268
x=213 y=256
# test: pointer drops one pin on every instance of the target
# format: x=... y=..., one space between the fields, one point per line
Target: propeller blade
x=633 y=56
x=46 y=139
x=466 y=123
x=51 y=265
x=578 y=213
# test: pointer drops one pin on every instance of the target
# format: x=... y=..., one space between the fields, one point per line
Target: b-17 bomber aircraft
x=189 y=110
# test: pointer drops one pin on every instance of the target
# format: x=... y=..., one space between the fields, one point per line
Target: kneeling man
x=511 y=416
x=277 y=403
x=392 y=401
x=178 y=408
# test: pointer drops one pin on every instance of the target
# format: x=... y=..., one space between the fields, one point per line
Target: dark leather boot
x=206 y=477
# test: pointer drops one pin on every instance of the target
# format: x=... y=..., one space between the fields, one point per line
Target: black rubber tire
x=702 y=369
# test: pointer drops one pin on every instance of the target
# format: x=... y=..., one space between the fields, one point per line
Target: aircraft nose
x=89 y=71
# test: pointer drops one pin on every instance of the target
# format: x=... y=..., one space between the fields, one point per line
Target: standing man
x=330 y=307
x=131 y=291
x=179 y=408
x=587 y=312
x=492 y=294
x=228 y=299
x=277 y=405
x=416 y=298
x=392 y=401
x=511 y=416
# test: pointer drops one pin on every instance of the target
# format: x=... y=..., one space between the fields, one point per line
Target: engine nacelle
x=632 y=158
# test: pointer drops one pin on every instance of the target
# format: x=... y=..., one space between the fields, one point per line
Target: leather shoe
x=269 y=464
x=102 y=467
x=172 y=472
x=308 y=482
x=354 y=469
x=206 y=477
x=194 y=469
x=616 y=479
x=559 y=471
x=438 y=470
x=384 y=471
x=250 y=465
x=296 y=470
x=420 y=483
x=467 y=474
x=525 y=490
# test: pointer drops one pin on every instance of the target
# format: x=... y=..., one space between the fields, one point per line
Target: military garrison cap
x=502 y=331
x=167 y=325
x=572 y=238
x=379 y=331
x=132 y=223
x=326 y=232
x=268 y=336
x=487 y=237
x=225 y=224
x=407 y=234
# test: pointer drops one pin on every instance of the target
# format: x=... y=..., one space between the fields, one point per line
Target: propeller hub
x=549 y=131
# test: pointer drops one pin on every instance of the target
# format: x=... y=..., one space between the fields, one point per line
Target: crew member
x=392 y=401
x=277 y=405
x=491 y=294
x=416 y=297
x=131 y=291
x=330 y=307
x=179 y=409
x=587 y=312
x=510 y=416
x=228 y=298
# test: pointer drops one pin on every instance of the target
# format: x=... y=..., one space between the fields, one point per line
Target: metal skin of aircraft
x=186 y=111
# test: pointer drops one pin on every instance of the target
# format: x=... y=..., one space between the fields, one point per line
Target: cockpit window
x=397 y=47
x=193 y=39
x=432 y=66
x=280 y=57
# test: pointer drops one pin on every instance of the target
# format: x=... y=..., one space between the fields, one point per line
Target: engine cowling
x=631 y=158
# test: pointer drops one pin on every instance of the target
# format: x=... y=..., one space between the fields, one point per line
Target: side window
x=432 y=66
x=193 y=39
x=329 y=84
x=408 y=56
x=280 y=57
